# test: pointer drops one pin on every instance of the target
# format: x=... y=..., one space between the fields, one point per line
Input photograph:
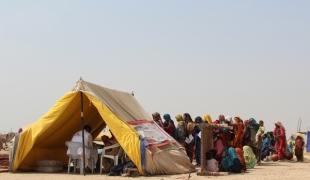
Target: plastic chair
x=74 y=157
x=115 y=158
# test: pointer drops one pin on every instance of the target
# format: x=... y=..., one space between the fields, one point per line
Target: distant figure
x=169 y=126
x=20 y=130
x=238 y=131
x=280 y=137
x=299 y=148
x=222 y=120
x=189 y=141
x=197 y=139
x=207 y=119
x=157 y=119
x=249 y=138
x=267 y=146
x=220 y=137
x=259 y=138
x=180 y=130
x=291 y=144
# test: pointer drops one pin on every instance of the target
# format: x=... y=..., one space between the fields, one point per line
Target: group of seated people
x=237 y=144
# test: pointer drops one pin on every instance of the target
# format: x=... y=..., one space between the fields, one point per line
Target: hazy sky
x=247 y=58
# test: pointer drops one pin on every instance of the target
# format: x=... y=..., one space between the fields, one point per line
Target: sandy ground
x=267 y=171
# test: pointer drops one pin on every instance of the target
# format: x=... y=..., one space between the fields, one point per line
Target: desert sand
x=267 y=171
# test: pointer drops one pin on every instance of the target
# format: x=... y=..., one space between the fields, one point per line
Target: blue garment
x=230 y=162
x=308 y=142
x=143 y=145
x=266 y=147
x=197 y=148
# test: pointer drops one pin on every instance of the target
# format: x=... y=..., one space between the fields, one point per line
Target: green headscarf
x=249 y=157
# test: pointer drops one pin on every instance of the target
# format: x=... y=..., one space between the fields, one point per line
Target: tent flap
x=123 y=133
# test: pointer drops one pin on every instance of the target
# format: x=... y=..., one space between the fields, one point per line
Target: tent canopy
x=142 y=140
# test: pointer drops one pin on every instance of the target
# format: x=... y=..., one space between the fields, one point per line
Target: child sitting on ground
x=212 y=164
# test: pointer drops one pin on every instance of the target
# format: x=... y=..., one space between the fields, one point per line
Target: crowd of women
x=237 y=144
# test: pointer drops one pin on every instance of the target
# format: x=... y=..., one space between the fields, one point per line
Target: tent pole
x=83 y=124
x=203 y=150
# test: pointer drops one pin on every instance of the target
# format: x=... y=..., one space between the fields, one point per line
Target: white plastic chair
x=75 y=158
x=115 y=158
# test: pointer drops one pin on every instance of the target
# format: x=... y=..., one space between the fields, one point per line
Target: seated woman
x=249 y=157
x=230 y=161
x=266 y=146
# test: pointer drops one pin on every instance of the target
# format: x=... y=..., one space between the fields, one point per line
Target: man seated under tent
x=88 y=140
x=109 y=141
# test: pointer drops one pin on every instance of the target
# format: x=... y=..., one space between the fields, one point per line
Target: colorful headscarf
x=253 y=124
x=252 y=121
x=156 y=114
x=167 y=117
x=187 y=117
x=179 y=118
x=280 y=124
x=230 y=162
x=198 y=120
x=249 y=157
x=237 y=119
x=207 y=118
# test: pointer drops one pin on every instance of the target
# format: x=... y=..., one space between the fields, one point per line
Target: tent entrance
x=56 y=127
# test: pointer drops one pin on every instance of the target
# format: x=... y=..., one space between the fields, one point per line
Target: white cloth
x=260 y=133
x=189 y=139
x=212 y=165
x=199 y=135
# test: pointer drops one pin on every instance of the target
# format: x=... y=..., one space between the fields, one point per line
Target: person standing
x=249 y=137
x=157 y=119
x=180 y=130
x=259 y=139
x=207 y=119
x=189 y=141
x=197 y=139
x=280 y=138
x=299 y=148
x=169 y=126
x=238 y=131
